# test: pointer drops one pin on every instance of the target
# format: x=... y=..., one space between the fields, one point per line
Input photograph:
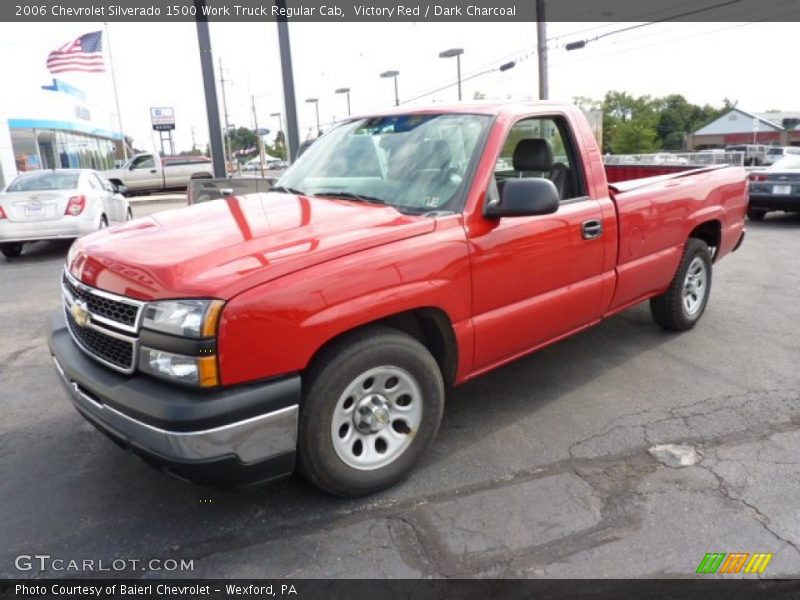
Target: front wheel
x=682 y=305
x=11 y=249
x=372 y=407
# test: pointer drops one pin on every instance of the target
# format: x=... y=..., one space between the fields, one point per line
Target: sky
x=157 y=64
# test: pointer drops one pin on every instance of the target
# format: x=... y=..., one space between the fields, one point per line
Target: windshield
x=775 y=151
x=415 y=163
x=50 y=180
x=787 y=162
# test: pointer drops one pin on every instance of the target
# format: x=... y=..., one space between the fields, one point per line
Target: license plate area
x=34 y=210
x=781 y=190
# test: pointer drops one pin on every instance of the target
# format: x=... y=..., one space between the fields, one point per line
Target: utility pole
x=194 y=141
x=258 y=135
x=292 y=133
x=541 y=49
x=210 y=90
x=228 y=154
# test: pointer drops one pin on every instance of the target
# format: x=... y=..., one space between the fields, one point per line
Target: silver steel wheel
x=376 y=418
x=695 y=286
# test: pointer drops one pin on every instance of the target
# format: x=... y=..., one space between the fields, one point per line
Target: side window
x=541 y=147
x=144 y=162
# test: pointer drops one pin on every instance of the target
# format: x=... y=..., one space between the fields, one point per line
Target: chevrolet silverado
x=320 y=323
x=147 y=173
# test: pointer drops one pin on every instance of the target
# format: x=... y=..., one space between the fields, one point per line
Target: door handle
x=153 y=171
x=591 y=229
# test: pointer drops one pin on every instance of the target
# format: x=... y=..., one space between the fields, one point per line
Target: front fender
x=276 y=328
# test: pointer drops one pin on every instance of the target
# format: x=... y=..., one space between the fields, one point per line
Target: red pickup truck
x=320 y=323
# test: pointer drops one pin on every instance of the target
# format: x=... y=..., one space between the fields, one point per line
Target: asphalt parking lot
x=541 y=468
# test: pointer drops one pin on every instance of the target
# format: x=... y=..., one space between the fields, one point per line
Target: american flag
x=83 y=54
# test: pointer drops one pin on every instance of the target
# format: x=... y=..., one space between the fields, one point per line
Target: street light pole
x=393 y=74
x=210 y=89
x=292 y=134
x=315 y=102
x=541 y=49
x=225 y=115
x=345 y=90
x=280 y=128
x=258 y=135
x=457 y=52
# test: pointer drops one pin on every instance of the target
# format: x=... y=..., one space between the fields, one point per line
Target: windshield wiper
x=352 y=196
x=287 y=190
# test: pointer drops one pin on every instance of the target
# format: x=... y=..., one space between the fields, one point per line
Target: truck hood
x=221 y=248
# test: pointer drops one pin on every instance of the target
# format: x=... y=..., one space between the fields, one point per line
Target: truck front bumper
x=229 y=437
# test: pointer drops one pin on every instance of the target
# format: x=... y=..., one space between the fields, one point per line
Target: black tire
x=129 y=215
x=11 y=249
x=669 y=309
x=755 y=214
x=103 y=223
x=338 y=368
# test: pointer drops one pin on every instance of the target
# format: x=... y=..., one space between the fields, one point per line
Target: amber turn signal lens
x=208 y=375
x=212 y=318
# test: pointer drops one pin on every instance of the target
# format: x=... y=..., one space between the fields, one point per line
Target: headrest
x=533 y=154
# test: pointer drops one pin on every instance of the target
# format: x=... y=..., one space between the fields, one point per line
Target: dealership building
x=51 y=124
x=740 y=127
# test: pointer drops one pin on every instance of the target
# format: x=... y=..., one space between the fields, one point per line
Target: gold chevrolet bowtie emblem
x=80 y=313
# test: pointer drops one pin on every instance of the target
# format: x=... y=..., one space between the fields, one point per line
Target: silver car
x=57 y=204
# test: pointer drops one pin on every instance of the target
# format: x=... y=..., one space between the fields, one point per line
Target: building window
x=26 y=153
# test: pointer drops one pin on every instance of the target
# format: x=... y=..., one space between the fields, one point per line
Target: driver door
x=143 y=174
x=536 y=278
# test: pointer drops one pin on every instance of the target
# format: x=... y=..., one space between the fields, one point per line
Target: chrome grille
x=105 y=307
x=114 y=352
x=109 y=333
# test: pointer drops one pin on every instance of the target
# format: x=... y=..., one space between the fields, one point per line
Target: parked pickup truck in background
x=154 y=173
x=321 y=322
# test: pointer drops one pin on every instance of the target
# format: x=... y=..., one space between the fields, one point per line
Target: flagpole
x=116 y=95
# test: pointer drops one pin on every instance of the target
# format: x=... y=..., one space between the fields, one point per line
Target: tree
x=586 y=104
x=634 y=137
x=242 y=138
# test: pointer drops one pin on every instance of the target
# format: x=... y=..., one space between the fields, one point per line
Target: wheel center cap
x=372 y=413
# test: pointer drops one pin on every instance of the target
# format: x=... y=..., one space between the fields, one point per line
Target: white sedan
x=57 y=204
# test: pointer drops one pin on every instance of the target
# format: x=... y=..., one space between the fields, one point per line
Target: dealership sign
x=163 y=119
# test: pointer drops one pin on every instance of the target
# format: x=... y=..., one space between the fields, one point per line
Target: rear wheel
x=372 y=407
x=103 y=223
x=11 y=249
x=682 y=305
x=755 y=214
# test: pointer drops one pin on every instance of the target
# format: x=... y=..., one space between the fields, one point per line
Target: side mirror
x=525 y=197
x=120 y=189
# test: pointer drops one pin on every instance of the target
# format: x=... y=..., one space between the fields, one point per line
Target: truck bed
x=656 y=216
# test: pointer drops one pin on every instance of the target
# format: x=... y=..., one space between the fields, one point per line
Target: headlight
x=190 y=318
x=194 y=370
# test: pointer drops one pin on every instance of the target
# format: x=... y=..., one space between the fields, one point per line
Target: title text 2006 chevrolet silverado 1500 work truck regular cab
x=320 y=323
